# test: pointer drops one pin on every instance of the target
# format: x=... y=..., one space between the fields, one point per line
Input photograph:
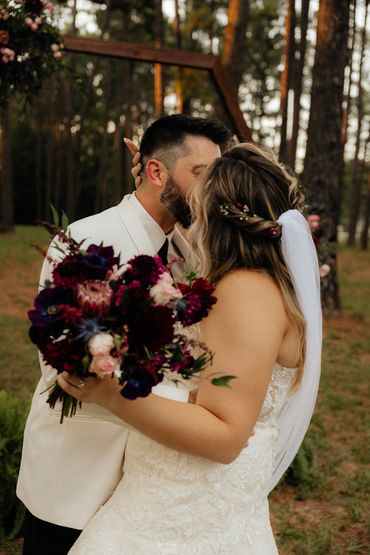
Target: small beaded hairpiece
x=243 y=214
x=241 y=209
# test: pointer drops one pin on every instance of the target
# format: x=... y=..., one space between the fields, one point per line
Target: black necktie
x=163 y=251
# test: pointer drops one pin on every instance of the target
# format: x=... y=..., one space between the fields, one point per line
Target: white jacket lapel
x=140 y=238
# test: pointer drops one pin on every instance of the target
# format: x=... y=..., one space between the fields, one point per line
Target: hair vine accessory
x=242 y=211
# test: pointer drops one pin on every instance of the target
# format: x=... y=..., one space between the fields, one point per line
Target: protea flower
x=94 y=297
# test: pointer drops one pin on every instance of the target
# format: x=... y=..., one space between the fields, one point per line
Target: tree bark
x=235 y=40
x=158 y=69
x=365 y=229
x=297 y=85
x=287 y=76
x=356 y=182
x=178 y=70
x=6 y=198
x=324 y=150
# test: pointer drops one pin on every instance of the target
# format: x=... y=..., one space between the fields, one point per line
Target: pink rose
x=324 y=270
x=57 y=55
x=34 y=26
x=314 y=221
x=104 y=365
x=95 y=297
x=163 y=291
x=100 y=344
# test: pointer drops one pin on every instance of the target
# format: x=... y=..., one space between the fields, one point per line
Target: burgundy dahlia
x=196 y=302
x=144 y=269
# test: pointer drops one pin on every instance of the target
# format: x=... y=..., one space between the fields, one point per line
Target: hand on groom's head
x=137 y=167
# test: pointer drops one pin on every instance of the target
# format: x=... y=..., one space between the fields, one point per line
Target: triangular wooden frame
x=181 y=58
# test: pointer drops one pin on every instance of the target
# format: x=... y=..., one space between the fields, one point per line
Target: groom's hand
x=137 y=167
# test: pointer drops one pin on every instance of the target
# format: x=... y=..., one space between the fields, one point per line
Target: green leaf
x=223 y=381
x=65 y=221
x=55 y=213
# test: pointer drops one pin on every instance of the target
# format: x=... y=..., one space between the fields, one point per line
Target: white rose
x=100 y=344
x=163 y=291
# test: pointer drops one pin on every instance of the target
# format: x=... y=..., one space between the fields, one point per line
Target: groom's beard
x=174 y=200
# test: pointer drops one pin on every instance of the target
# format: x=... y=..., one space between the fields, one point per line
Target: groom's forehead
x=199 y=152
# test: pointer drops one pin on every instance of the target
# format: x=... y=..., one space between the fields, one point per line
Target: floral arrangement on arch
x=96 y=317
x=30 y=47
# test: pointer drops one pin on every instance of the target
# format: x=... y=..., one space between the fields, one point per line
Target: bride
x=197 y=475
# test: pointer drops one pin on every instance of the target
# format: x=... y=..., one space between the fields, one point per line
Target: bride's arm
x=244 y=330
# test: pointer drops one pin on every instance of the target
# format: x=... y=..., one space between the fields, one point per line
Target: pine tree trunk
x=347 y=102
x=356 y=182
x=287 y=77
x=178 y=71
x=6 y=198
x=365 y=228
x=158 y=69
x=235 y=40
x=297 y=84
x=324 y=149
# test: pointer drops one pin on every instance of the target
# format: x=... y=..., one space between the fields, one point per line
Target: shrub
x=12 y=418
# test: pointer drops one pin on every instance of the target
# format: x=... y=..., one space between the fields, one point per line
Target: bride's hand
x=97 y=390
x=137 y=167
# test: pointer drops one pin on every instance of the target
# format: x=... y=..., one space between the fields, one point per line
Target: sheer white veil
x=301 y=259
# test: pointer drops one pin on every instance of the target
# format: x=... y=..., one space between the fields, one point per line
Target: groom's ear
x=156 y=172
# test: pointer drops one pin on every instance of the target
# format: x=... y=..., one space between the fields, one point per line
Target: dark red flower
x=64 y=355
x=144 y=269
x=80 y=267
x=150 y=328
x=196 y=302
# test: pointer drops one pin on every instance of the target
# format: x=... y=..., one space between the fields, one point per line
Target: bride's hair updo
x=235 y=207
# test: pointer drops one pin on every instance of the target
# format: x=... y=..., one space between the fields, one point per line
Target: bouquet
x=97 y=317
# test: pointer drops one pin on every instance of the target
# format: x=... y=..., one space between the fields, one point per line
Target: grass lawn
x=327 y=513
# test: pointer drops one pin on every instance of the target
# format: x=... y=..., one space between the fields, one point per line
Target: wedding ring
x=81 y=384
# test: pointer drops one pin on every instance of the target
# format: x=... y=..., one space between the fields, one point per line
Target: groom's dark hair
x=164 y=139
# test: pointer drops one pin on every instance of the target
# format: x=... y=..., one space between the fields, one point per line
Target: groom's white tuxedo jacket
x=69 y=470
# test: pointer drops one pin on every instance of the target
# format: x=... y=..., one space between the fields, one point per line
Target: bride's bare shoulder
x=247 y=283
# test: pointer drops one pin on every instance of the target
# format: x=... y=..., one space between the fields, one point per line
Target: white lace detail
x=170 y=503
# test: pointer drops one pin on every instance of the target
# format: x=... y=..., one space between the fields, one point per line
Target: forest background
x=301 y=71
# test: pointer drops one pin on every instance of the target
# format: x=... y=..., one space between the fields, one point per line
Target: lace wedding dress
x=171 y=503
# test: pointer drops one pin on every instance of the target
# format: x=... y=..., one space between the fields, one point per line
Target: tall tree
x=356 y=181
x=324 y=150
x=298 y=83
x=233 y=57
x=287 y=76
x=365 y=228
x=6 y=181
x=158 y=70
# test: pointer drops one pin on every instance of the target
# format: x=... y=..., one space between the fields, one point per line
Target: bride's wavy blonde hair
x=235 y=207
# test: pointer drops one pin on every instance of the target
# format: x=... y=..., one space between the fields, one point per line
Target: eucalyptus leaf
x=222 y=381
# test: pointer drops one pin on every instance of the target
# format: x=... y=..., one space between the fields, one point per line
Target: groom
x=69 y=470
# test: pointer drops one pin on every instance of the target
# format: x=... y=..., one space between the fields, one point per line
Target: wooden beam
x=194 y=60
x=229 y=99
x=132 y=51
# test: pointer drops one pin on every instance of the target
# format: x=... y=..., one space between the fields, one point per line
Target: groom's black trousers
x=44 y=538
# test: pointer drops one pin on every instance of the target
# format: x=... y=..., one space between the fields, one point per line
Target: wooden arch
x=131 y=51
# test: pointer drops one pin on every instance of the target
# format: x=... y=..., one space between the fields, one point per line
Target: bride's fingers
x=71 y=384
x=131 y=146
